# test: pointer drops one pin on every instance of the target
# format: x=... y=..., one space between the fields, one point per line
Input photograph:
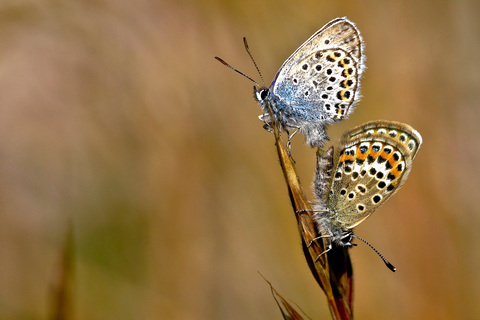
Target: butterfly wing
x=321 y=79
x=371 y=167
x=401 y=132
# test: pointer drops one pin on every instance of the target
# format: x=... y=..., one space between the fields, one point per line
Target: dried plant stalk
x=289 y=312
x=61 y=296
x=333 y=271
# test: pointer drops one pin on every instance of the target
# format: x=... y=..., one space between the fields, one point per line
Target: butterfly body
x=318 y=84
x=373 y=162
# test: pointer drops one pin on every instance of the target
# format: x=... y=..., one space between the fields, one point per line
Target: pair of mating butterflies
x=317 y=85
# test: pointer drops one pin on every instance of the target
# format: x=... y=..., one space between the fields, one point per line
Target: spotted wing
x=321 y=79
x=371 y=167
x=401 y=132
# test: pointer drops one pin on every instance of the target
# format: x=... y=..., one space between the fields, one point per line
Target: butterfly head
x=344 y=239
x=329 y=228
x=337 y=236
x=261 y=94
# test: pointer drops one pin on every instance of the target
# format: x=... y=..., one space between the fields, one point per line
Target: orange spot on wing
x=392 y=162
x=360 y=155
x=395 y=172
x=385 y=155
x=342 y=95
x=345 y=84
x=333 y=57
x=374 y=154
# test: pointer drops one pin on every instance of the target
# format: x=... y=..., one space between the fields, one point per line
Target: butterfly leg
x=266 y=125
x=289 y=142
x=321 y=237
x=329 y=244
x=326 y=250
x=329 y=235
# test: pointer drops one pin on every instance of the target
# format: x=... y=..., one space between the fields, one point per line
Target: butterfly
x=373 y=162
x=319 y=84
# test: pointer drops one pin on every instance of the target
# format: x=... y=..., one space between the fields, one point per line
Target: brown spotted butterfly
x=373 y=162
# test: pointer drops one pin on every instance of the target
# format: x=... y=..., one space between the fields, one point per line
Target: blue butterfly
x=317 y=85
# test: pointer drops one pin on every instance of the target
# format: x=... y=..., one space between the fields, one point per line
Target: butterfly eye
x=264 y=94
x=363 y=149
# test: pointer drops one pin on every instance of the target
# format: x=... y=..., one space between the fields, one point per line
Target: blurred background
x=115 y=118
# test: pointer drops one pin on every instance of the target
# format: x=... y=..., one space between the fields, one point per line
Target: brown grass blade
x=289 y=312
x=61 y=299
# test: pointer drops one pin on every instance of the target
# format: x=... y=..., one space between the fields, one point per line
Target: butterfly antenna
x=226 y=64
x=388 y=264
x=253 y=60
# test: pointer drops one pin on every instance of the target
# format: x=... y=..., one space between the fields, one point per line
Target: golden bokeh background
x=115 y=116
